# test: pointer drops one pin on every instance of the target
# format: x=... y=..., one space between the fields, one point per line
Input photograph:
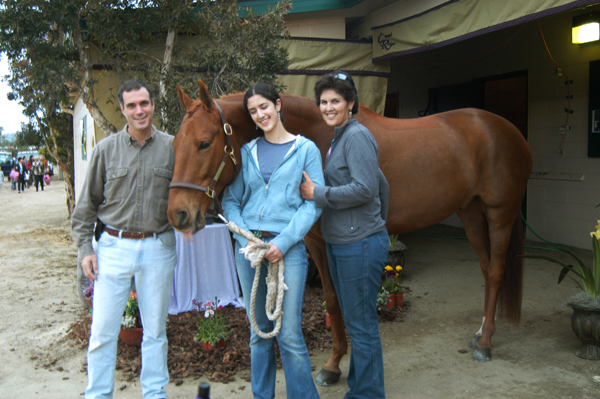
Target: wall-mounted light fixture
x=586 y=28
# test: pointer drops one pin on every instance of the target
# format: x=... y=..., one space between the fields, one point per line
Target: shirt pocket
x=159 y=191
x=115 y=186
x=160 y=182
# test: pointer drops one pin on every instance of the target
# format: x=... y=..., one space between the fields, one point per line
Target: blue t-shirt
x=270 y=155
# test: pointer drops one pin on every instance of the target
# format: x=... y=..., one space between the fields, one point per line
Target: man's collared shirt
x=127 y=187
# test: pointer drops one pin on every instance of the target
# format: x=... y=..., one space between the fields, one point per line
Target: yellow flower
x=388 y=268
x=397 y=275
x=398 y=268
x=595 y=234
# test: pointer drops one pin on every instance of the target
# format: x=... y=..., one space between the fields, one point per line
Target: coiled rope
x=275 y=280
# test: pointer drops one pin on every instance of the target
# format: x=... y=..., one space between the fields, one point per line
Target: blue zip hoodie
x=278 y=206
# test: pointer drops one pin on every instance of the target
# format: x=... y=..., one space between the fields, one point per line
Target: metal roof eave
x=299 y=6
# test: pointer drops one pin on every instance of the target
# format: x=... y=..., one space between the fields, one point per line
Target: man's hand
x=87 y=263
x=307 y=189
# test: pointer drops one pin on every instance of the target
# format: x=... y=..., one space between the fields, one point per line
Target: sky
x=11 y=113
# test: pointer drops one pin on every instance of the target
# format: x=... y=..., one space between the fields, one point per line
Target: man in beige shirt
x=127 y=191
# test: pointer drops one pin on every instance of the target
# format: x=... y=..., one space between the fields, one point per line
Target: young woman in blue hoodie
x=265 y=199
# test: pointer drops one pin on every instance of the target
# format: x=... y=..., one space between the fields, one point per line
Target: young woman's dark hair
x=267 y=91
x=341 y=83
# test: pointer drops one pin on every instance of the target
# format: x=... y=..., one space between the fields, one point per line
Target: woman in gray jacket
x=353 y=226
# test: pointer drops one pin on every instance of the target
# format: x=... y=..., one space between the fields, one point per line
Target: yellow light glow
x=586 y=33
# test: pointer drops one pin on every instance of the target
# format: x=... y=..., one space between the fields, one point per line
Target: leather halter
x=210 y=189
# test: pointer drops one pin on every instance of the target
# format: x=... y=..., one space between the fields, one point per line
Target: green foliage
x=229 y=53
x=589 y=276
x=382 y=297
x=58 y=49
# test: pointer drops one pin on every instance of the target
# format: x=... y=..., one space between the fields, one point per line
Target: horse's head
x=205 y=161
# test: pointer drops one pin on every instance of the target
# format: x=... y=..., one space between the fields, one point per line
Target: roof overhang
x=457 y=20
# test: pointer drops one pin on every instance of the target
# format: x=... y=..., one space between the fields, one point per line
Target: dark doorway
x=391 y=106
x=505 y=96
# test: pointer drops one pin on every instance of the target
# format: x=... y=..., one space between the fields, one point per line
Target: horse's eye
x=204 y=145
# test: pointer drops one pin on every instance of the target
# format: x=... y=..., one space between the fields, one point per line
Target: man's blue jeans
x=356 y=272
x=122 y=262
x=294 y=355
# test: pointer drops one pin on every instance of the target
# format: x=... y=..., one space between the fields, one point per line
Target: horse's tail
x=510 y=296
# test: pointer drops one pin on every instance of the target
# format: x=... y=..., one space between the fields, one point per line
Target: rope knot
x=275 y=280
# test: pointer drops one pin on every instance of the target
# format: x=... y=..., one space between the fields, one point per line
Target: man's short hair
x=131 y=85
x=18 y=159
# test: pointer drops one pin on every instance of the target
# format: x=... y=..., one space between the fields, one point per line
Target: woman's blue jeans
x=294 y=355
x=121 y=261
x=356 y=272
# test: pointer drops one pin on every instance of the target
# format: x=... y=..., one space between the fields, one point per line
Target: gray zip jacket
x=352 y=207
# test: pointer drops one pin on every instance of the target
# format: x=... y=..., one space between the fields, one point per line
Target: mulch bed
x=186 y=357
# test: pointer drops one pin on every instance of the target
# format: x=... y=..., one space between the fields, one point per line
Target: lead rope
x=275 y=280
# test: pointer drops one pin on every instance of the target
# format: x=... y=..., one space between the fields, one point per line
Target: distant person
x=21 y=169
x=38 y=173
x=46 y=166
x=29 y=177
x=14 y=177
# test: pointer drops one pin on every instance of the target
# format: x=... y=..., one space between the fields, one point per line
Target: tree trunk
x=69 y=182
x=87 y=88
x=170 y=44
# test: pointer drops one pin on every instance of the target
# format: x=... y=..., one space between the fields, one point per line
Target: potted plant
x=382 y=299
x=392 y=285
x=395 y=251
x=585 y=320
x=210 y=323
x=132 y=331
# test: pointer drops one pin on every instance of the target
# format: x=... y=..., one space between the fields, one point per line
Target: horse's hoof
x=474 y=341
x=482 y=354
x=326 y=378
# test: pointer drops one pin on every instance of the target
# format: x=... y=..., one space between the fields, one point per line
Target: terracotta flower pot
x=207 y=346
x=399 y=299
x=391 y=301
x=132 y=336
x=327 y=320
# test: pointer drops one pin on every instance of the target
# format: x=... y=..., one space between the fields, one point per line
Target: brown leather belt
x=128 y=234
x=260 y=233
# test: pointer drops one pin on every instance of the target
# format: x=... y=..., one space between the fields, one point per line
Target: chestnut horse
x=469 y=162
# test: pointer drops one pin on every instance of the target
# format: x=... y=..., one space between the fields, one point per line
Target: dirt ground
x=422 y=355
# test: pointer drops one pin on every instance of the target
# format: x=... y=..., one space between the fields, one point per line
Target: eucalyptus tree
x=58 y=49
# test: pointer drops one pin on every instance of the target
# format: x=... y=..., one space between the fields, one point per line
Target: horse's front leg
x=330 y=373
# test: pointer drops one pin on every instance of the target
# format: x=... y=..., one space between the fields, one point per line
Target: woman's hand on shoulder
x=307 y=189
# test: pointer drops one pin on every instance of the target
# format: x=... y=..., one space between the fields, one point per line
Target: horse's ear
x=204 y=96
x=185 y=100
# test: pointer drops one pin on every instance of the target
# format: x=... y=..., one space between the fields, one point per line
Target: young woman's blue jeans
x=121 y=261
x=356 y=272
x=294 y=355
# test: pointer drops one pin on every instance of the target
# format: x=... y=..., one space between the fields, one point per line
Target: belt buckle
x=257 y=233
